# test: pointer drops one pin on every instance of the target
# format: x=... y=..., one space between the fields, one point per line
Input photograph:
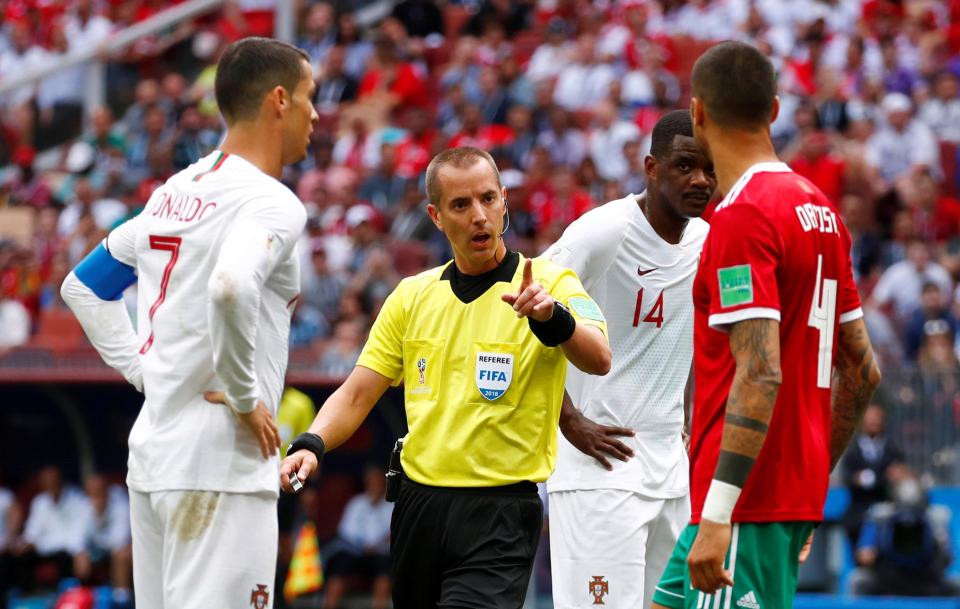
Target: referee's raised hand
x=532 y=300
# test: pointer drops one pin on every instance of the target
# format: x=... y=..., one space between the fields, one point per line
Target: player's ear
x=696 y=111
x=434 y=214
x=650 y=167
x=776 y=109
x=279 y=98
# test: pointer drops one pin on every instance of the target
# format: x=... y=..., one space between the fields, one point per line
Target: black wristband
x=309 y=441
x=556 y=330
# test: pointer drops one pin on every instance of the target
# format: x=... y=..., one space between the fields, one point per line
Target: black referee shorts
x=472 y=548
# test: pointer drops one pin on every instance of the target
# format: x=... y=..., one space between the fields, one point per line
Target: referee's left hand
x=302 y=463
x=532 y=300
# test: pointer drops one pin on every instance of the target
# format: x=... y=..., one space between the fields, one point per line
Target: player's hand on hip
x=259 y=421
x=705 y=560
x=302 y=463
x=597 y=441
x=531 y=300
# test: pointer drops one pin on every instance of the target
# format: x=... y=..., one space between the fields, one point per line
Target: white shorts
x=610 y=546
x=203 y=549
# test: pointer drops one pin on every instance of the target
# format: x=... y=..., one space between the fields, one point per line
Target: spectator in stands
x=411 y=222
x=492 y=97
x=866 y=469
x=584 y=79
x=416 y=148
x=109 y=146
x=192 y=140
x=107 y=555
x=105 y=212
x=341 y=356
x=60 y=95
x=392 y=80
x=904 y=546
x=903 y=144
x=816 y=162
x=932 y=308
x=14 y=323
x=941 y=112
x=319 y=33
x=28 y=187
x=362 y=546
x=900 y=285
x=420 y=18
x=939 y=370
x=334 y=85
x=565 y=143
x=20 y=58
x=936 y=217
x=322 y=288
x=307 y=325
x=150 y=154
x=383 y=188
x=560 y=204
x=54 y=531
x=549 y=58
x=607 y=140
x=519 y=88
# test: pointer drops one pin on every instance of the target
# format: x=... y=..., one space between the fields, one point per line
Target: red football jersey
x=777 y=249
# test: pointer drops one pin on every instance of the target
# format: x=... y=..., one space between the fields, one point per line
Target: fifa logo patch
x=494 y=372
x=422 y=368
x=259 y=597
x=599 y=588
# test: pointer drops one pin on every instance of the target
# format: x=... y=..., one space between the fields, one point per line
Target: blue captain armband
x=106 y=276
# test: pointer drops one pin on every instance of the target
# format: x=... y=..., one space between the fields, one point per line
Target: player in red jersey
x=776 y=311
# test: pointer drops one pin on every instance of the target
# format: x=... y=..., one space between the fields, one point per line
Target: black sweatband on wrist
x=309 y=441
x=556 y=330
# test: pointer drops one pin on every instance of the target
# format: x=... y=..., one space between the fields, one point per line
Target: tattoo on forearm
x=746 y=422
x=854 y=381
x=755 y=345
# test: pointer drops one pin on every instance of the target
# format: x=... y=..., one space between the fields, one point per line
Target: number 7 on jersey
x=167 y=244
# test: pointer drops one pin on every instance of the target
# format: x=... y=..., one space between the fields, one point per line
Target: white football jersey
x=644 y=287
x=180 y=441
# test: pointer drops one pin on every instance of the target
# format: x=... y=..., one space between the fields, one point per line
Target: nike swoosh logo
x=642 y=272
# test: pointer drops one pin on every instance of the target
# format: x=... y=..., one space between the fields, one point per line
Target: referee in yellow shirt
x=482 y=388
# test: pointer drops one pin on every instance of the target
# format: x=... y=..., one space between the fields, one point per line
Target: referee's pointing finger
x=527 y=275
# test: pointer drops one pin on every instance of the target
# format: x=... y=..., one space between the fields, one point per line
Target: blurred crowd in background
x=563 y=93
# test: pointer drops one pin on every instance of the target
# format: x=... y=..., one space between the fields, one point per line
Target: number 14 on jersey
x=654 y=314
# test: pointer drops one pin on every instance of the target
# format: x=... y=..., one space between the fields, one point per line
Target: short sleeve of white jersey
x=589 y=245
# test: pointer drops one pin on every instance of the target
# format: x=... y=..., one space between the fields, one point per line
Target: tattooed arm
x=755 y=347
x=855 y=377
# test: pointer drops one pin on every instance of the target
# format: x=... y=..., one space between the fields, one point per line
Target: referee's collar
x=468 y=288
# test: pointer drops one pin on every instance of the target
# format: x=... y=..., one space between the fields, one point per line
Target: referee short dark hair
x=670 y=125
x=249 y=69
x=737 y=85
x=461 y=158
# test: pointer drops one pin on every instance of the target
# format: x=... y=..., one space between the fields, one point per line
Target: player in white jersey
x=613 y=527
x=214 y=258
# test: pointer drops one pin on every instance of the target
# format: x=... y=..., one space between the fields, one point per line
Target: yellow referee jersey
x=482 y=392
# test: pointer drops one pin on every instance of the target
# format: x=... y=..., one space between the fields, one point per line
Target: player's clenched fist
x=532 y=300
x=301 y=463
x=259 y=421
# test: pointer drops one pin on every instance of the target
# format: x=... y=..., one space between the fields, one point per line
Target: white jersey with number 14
x=644 y=287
